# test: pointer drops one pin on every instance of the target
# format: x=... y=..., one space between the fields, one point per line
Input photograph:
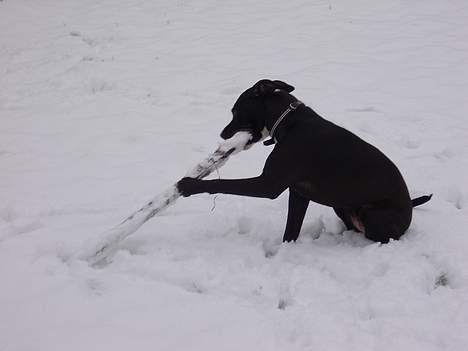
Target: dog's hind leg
x=381 y=225
x=297 y=208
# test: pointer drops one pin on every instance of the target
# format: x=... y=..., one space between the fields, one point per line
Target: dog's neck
x=275 y=123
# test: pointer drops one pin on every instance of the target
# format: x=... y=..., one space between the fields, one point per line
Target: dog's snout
x=228 y=131
x=224 y=135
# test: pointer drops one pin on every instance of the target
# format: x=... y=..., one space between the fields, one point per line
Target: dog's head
x=249 y=111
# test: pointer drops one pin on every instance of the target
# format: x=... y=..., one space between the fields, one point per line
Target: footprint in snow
x=195 y=287
x=25 y=228
x=457 y=198
x=99 y=86
x=94 y=287
x=445 y=155
x=8 y=215
x=410 y=143
x=244 y=225
x=270 y=248
x=4 y=153
x=283 y=304
x=443 y=276
x=441 y=280
x=285 y=295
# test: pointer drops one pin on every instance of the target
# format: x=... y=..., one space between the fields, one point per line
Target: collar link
x=292 y=106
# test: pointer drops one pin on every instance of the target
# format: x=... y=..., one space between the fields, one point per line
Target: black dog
x=318 y=161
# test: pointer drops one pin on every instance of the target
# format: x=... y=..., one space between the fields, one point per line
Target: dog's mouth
x=257 y=136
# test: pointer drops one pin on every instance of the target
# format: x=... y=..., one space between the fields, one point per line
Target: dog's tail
x=421 y=200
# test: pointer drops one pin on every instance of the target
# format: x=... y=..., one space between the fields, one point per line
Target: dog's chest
x=305 y=188
x=319 y=194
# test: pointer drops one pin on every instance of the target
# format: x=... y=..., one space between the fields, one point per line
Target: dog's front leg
x=262 y=186
x=297 y=208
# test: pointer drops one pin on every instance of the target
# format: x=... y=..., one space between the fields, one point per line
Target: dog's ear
x=263 y=87
x=283 y=86
x=266 y=87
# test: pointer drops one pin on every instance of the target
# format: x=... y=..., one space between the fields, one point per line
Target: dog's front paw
x=189 y=186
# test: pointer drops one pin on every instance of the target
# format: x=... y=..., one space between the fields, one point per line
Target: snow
x=100 y=251
x=103 y=104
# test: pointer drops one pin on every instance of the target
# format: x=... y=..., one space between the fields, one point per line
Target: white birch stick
x=99 y=251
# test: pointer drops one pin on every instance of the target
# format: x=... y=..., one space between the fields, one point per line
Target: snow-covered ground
x=104 y=103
